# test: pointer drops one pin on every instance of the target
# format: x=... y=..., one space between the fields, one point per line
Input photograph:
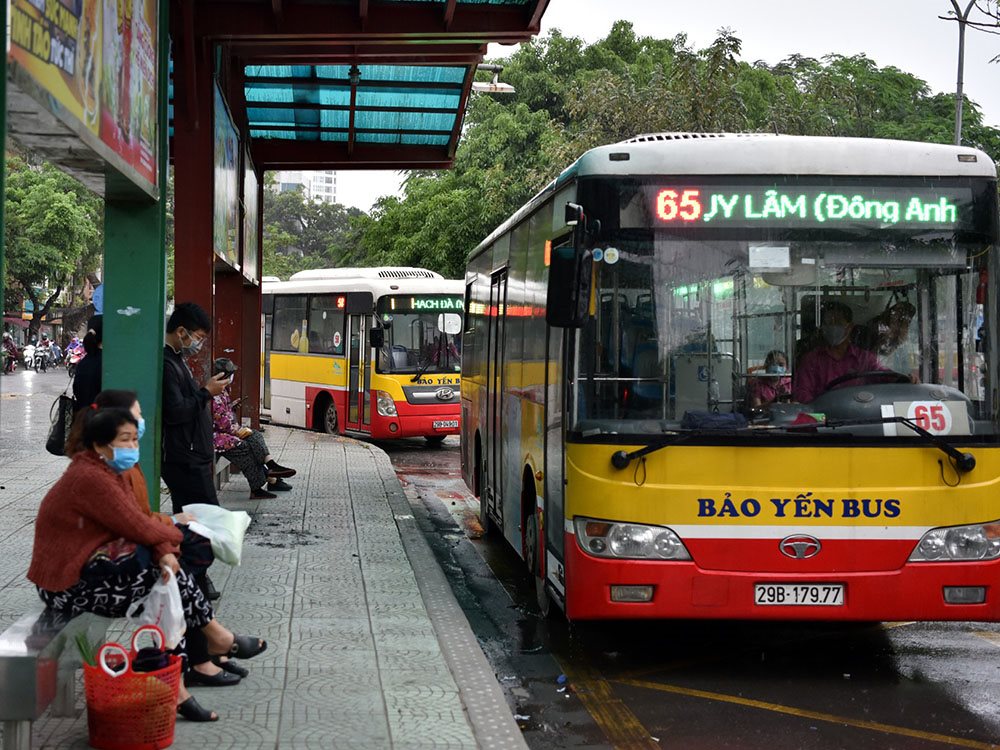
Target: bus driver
x=835 y=357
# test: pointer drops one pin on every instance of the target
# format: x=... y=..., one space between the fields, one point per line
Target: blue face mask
x=772 y=369
x=142 y=427
x=123 y=459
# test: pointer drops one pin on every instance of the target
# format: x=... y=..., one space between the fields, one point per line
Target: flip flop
x=193 y=711
x=246 y=647
x=231 y=667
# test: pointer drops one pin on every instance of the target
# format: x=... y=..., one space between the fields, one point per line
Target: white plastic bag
x=162 y=607
x=225 y=528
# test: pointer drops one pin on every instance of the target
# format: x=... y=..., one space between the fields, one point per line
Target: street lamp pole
x=963 y=19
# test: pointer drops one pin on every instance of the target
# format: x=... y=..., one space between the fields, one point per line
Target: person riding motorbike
x=10 y=353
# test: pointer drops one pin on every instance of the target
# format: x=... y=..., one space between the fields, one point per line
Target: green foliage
x=53 y=234
x=571 y=97
x=301 y=234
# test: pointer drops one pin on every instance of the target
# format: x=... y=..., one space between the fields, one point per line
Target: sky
x=906 y=34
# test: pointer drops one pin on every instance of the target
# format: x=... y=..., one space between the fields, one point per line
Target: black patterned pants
x=249 y=455
x=111 y=596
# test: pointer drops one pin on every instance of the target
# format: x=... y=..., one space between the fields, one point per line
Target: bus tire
x=532 y=545
x=434 y=441
x=327 y=421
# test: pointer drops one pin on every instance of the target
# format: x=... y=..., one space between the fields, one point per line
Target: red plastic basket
x=129 y=710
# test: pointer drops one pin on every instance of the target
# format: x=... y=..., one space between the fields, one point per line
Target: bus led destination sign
x=435 y=303
x=813 y=207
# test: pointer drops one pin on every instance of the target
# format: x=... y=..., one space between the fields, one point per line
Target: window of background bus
x=326 y=325
x=289 y=324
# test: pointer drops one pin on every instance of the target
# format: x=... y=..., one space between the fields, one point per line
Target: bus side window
x=326 y=325
x=289 y=311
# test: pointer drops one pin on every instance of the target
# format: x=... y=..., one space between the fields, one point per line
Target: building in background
x=320 y=186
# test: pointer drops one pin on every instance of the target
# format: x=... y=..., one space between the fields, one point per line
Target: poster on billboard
x=251 y=217
x=226 y=228
x=96 y=61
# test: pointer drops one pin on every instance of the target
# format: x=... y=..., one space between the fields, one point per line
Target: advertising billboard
x=226 y=228
x=251 y=219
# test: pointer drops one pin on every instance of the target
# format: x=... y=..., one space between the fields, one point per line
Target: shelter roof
x=339 y=84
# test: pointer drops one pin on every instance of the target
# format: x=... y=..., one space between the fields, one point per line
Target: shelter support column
x=227 y=327
x=135 y=282
x=252 y=355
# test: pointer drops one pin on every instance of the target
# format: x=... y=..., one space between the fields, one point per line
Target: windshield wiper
x=964 y=462
x=621 y=459
x=430 y=361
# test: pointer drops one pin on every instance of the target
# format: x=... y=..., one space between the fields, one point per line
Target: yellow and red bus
x=622 y=327
x=374 y=352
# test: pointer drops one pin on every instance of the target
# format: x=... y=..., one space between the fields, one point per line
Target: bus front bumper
x=408 y=423
x=682 y=590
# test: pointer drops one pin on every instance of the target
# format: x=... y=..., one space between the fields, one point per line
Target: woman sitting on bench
x=95 y=551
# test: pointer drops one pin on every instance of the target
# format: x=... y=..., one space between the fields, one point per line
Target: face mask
x=142 y=427
x=123 y=459
x=776 y=369
x=834 y=334
x=192 y=348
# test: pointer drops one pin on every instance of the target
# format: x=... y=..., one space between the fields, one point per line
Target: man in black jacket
x=188 y=452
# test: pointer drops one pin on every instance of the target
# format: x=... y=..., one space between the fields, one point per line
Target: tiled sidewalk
x=367 y=646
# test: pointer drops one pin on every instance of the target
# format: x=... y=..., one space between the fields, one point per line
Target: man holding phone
x=188 y=453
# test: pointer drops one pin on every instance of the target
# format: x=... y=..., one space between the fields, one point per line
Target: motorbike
x=28 y=355
x=40 y=358
x=73 y=358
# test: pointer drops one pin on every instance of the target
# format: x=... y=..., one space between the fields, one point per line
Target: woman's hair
x=95 y=334
x=100 y=426
x=109 y=399
x=773 y=355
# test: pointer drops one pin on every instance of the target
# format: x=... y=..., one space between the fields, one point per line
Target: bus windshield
x=422 y=334
x=863 y=302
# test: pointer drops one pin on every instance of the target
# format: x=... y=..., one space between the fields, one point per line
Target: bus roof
x=376 y=272
x=379 y=287
x=726 y=154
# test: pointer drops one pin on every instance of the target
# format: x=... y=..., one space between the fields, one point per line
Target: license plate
x=799 y=594
x=444 y=424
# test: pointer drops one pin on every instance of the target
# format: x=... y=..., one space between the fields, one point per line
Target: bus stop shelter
x=116 y=92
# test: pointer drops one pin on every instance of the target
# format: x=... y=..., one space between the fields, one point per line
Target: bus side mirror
x=377 y=338
x=567 y=304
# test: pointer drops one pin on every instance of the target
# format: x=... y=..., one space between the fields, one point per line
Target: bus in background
x=365 y=351
x=744 y=376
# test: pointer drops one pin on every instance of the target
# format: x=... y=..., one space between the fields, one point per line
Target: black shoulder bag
x=61 y=416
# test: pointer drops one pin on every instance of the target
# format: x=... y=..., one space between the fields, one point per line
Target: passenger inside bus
x=773 y=384
x=835 y=357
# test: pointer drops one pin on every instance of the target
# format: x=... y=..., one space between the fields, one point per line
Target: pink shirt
x=819 y=367
x=769 y=390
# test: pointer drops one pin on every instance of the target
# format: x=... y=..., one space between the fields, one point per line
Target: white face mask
x=192 y=347
x=834 y=334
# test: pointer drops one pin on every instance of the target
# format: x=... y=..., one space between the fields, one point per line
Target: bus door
x=495 y=381
x=359 y=373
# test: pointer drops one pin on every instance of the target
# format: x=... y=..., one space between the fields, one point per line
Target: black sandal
x=245 y=647
x=231 y=667
x=192 y=710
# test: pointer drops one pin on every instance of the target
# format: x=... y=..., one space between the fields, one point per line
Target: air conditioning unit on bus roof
x=381 y=272
x=647 y=137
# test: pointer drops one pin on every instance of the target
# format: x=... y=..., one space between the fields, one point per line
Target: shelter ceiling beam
x=278 y=12
x=449 y=13
x=327 y=21
x=318 y=53
x=276 y=154
x=456 y=131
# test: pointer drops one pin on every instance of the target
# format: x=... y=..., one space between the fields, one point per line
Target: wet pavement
x=368 y=647
x=712 y=685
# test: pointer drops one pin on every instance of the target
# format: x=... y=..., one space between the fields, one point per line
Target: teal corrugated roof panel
x=393 y=104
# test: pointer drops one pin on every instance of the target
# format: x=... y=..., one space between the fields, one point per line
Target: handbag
x=61 y=415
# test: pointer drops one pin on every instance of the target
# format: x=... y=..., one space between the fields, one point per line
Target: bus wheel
x=328 y=418
x=532 y=545
x=434 y=441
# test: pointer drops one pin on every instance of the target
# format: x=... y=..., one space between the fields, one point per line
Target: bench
x=222 y=471
x=38 y=663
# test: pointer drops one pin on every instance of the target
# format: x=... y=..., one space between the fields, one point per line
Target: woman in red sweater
x=95 y=551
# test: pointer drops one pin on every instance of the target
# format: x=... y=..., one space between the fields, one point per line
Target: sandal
x=193 y=711
x=223 y=678
x=231 y=667
x=245 y=647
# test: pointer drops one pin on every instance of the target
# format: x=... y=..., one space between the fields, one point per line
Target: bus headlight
x=384 y=404
x=976 y=542
x=629 y=540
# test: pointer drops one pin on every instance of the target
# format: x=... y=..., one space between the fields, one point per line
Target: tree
x=53 y=235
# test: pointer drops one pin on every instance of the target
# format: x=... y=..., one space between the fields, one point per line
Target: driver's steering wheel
x=895 y=377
